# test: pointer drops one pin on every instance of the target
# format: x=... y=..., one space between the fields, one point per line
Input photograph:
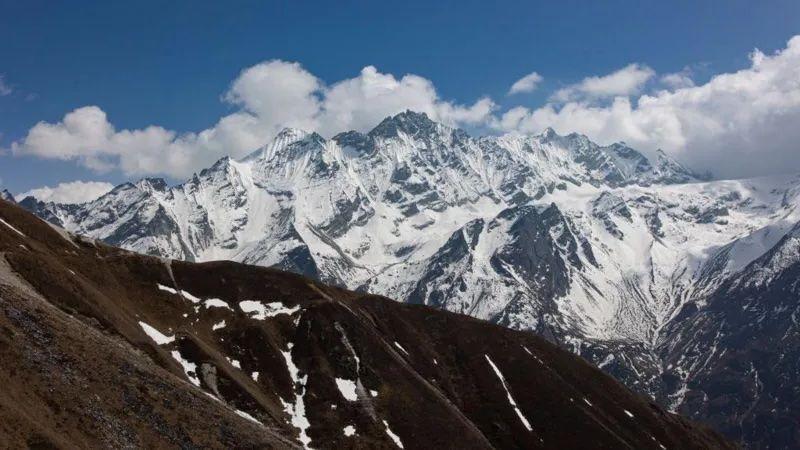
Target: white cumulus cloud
x=69 y=192
x=279 y=93
x=626 y=81
x=738 y=124
x=270 y=95
x=528 y=83
x=677 y=80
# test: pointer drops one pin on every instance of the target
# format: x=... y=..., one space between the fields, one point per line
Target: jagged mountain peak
x=548 y=134
x=674 y=171
x=7 y=196
x=618 y=162
x=221 y=166
x=126 y=186
x=290 y=134
x=571 y=157
x=409 y=122
x=349 y=137
x=409 y=117
x=288 y=140
x=152 y=184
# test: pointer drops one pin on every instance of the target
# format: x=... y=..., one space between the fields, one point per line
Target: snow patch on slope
x=511 y=401
x=260 y=311
x=155 y=335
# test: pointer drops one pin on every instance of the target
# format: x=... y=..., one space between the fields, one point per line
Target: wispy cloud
x=5 y=89
x=678 y=80
x=626 y=81
x=528 y=83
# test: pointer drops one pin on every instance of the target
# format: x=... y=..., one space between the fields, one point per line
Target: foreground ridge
x=107 y=348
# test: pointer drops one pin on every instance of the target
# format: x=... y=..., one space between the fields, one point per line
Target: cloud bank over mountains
x=738 y=124
x=269 y=96
x=69 y=193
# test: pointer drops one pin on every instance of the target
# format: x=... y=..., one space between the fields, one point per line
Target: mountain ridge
x=110 y=348
x=595 y=247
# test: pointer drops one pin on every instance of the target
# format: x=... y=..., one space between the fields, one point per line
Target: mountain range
x=682 y=287
x=105 y=348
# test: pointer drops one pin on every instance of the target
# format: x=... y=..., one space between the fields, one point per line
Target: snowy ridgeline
x=587 y=244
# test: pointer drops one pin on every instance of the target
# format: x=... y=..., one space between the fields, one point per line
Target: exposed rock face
x=597 y=248
x=7 y=196
x=736 y=359
x=103 y=348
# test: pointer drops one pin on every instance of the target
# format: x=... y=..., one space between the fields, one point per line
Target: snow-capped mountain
x=224 y=355
x=595 y=247
x=734 y=361
x=7 y=196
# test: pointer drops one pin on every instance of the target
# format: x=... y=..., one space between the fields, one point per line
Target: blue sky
x=151 y=63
